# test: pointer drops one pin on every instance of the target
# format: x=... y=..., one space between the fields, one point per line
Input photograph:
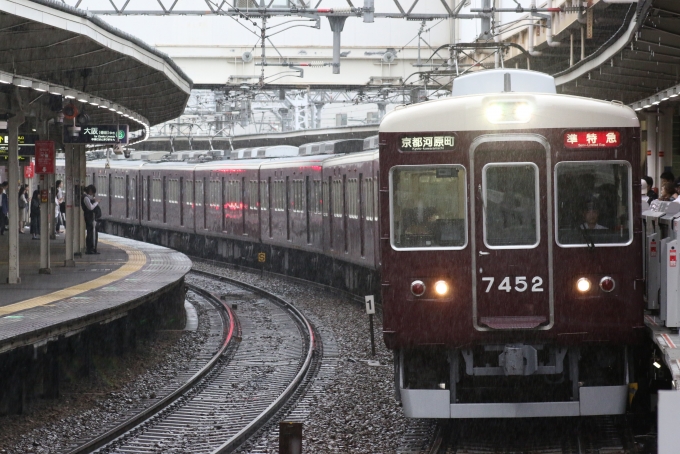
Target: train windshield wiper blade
x=587 y=237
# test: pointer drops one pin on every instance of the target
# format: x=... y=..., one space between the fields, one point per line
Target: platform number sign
x=370 y=304
x=261 y=257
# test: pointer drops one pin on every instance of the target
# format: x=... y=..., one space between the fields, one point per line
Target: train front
x=511 y=271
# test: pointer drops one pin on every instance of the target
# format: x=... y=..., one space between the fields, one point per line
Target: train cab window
x=594 y=204
x=428 y=207
x=511 y=205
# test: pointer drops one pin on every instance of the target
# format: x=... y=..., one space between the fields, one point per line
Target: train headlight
x=523 y=112
x=509 y=112
x=583 y=285
x=494 y=113
x=418 y=288
x=607 y=284
x=441 y=288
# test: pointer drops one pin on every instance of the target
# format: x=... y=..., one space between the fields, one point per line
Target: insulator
x=343 y=10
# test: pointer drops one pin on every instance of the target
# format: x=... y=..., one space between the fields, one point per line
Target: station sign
x=29 y=171
x=592 y=139
x=44 y=157
x=99 y=134
x=26 y=148
x=430 y=142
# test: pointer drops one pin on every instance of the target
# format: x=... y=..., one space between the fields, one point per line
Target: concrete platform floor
x=33 y=284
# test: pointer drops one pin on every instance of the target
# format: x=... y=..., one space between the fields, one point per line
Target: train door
x=243 y=205
x=287 y=197
x=362 y=215
x=308 y=199
x=345 y=214
x=109 y=192
x=127 y=196
x=181 y=201
x=164 y=201
x=511 y=237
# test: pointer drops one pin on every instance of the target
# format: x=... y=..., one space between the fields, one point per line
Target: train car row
x=239 y=208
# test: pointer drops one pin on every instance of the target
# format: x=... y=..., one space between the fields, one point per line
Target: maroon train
x=503 y=217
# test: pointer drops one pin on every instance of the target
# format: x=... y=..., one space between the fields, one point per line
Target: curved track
x=266 y=353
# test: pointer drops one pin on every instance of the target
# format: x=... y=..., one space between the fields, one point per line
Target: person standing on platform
x=4 y=207
x=58 y=199
x=35 y=214
x=23 y=203
x=89 y=204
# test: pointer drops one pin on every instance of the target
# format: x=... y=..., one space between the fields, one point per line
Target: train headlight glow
x=509 y=112
x=494 y=113
x=441 y=288
x=523 y=112
x=583 y=285
x=418 y=288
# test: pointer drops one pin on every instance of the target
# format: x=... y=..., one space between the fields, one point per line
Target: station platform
x=668 y=341
x=99 y=288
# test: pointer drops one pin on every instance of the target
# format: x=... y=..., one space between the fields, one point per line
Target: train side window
x=594 y=203
x=199 y=193
x=428 y=207
x=188 y=192
x=264 y=195
x=511 y=207
x=252 y=191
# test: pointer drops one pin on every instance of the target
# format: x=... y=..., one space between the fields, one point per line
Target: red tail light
x=418 y=288
x=607 y=284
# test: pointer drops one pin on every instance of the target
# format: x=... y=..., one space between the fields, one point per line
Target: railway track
x=266 y=353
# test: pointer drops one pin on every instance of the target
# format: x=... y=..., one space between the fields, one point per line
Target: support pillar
x=69 y=193
x=337 y=24
x=44 y=227
x=13 y=196
x=83 y=182
x=51 y=205
x=666 y=139
x=652 y=149
x=77 y=196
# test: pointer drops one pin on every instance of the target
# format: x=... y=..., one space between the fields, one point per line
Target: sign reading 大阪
x=99 y=134
x=592 y=139
x=434 y=142
x=44 y=157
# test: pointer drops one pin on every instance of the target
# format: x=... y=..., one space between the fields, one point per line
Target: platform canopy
x=49 y=49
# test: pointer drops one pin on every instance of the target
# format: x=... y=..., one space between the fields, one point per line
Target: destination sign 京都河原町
x=427 y=143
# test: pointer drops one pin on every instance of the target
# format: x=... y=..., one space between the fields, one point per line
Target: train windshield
x=511 y=205
x=593 y=203
x=428 y=207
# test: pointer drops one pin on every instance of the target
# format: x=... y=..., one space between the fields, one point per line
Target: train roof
x=295 y=162
x=370 y=155
x=116 y=164
x=233 y=164
x=469 y=113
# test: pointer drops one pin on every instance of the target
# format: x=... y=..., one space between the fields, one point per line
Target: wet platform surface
x=98 y=288
x=33 y=284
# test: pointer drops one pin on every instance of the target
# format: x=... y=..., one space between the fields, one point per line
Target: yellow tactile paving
x=136 y=260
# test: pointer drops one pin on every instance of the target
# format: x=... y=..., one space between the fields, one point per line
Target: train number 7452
x=520 y=284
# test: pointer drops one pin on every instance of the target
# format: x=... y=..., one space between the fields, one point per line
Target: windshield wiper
x=587 y=238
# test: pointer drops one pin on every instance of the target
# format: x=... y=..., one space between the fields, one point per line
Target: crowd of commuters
x=669 y=188
x=29 y=208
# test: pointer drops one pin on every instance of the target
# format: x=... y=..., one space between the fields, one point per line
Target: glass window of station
x=594 y=204
x=428 y=207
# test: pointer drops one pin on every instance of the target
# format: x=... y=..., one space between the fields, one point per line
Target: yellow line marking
x=136 y=260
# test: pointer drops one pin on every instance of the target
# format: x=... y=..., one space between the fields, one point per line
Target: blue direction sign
x=98 y=134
